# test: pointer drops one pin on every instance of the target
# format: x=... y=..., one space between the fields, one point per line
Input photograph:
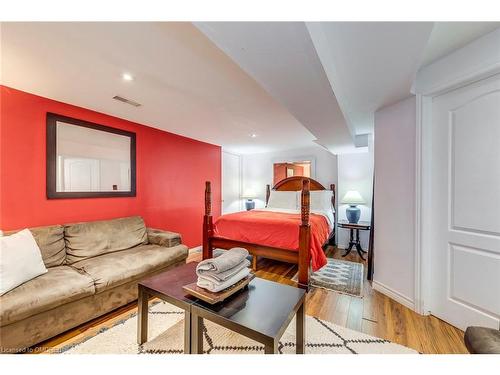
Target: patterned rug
x=340 y=276
x=166 y=334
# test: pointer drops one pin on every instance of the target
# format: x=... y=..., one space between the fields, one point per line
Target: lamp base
x=353 y=213
x=249 y=204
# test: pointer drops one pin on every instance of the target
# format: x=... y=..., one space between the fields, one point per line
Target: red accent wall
x=171 y=172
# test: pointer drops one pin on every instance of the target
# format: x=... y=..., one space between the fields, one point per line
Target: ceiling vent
x=125 y=100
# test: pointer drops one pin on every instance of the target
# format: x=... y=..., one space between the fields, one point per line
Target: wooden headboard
x=295 y=183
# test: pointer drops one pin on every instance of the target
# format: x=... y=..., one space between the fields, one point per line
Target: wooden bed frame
x=300 y=257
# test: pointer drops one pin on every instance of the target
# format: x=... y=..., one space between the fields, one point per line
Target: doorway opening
x=291 y=169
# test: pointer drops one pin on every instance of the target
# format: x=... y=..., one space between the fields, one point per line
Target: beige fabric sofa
x=93 y=268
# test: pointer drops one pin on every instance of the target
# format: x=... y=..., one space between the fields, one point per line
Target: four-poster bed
x=257 y=230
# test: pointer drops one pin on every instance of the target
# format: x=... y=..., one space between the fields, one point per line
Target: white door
x=81 y=174
x=465 y=189
x=231 y=183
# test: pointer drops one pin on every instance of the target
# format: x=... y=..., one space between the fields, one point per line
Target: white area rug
x=166 y=325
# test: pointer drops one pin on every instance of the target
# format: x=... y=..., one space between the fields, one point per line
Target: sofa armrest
x=163 y=237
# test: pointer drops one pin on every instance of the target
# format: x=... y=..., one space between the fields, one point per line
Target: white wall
x=258 y=168
x=355 y=172
x=394 y=247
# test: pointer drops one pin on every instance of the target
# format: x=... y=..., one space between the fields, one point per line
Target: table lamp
x=353 y=198
x=249 y=195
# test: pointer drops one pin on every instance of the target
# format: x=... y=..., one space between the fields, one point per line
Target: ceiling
x=282 y=59
x=186 y=85
x=370 y=64
x=290 y=84
x=447 y=37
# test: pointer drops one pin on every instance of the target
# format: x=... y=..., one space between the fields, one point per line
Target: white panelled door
x=465 y=189
x=231 y=183
x=80 y=174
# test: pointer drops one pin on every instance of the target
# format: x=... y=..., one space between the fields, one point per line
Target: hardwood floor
x=374 y=314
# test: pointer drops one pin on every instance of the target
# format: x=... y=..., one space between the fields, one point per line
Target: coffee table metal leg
x=272 y=347
x=300 y=334
x=142 y=316
x=196 y=334
x=187 y=332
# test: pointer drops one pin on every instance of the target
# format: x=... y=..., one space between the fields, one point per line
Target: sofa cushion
x=58 y=286
x=110 y=270
x=163 y=237
x=90 y=239
x=50 y=240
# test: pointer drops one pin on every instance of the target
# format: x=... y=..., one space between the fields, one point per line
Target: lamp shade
x=353 y=197
x=248 y=194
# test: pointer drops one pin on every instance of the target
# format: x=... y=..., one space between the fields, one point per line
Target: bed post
x=332 y=188
x=207 y=222
x=268 y=193
x=304 y=237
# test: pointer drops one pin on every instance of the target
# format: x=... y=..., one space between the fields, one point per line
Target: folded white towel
x=223 y=262
x=223 y=276
x=212 y=286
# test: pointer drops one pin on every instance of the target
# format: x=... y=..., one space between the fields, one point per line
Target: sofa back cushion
x=50 y=240
x=90 y=239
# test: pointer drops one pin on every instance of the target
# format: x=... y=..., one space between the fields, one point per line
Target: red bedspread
x=274 y=229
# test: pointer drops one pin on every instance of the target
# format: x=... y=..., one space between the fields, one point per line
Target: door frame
x=445 y=75
x=240 y=179
x=298 y=159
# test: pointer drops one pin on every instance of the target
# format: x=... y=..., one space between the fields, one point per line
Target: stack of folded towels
x=227 y=269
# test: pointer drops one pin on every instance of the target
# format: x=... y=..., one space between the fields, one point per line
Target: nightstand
x=354 y=240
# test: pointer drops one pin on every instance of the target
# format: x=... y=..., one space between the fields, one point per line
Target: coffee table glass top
x=265 y=307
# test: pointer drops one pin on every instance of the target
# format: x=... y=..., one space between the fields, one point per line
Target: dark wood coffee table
x=167 y=286
x=262 y=313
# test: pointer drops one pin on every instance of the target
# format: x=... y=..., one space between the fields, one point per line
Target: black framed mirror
x=87 y=160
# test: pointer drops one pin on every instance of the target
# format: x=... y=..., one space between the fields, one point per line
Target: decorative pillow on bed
x=284 y=199
x=20 y=260
x=321 y=200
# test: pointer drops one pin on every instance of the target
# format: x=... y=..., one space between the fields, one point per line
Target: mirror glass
x=90 y=160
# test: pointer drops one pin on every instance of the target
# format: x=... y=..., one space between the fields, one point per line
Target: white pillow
x=284 y=199
x=321 y=200
x=20 y=260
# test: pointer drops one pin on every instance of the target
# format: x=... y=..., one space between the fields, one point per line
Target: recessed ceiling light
x=127 y=77
x=253 y=135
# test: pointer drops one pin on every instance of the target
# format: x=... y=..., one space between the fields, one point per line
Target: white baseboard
x=391 y=293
